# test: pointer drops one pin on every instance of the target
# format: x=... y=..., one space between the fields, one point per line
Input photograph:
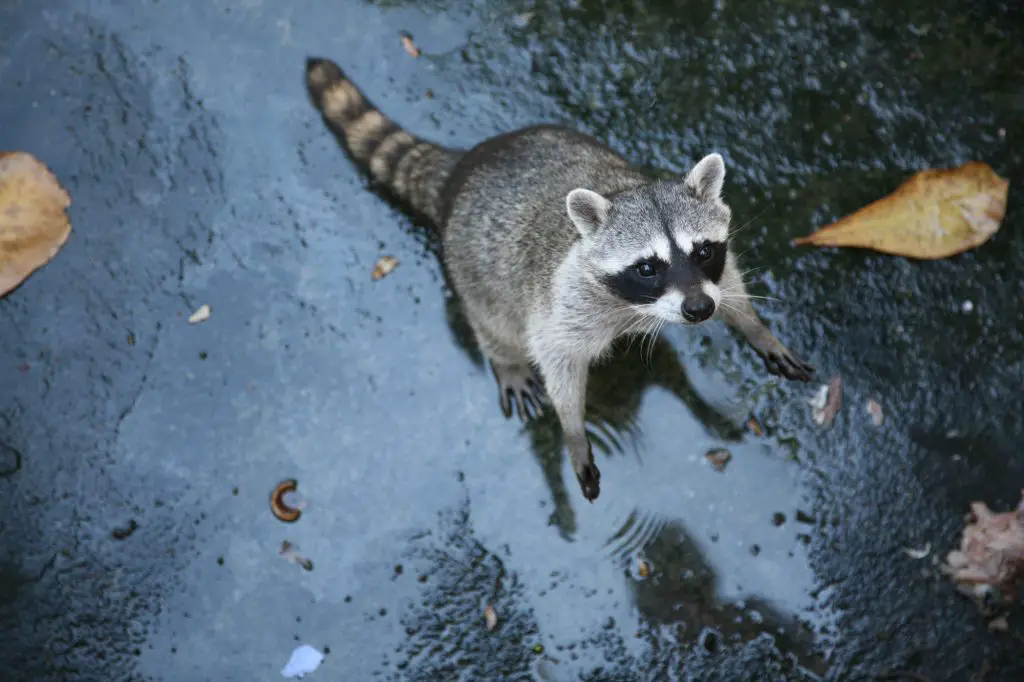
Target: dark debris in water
x=124 y=532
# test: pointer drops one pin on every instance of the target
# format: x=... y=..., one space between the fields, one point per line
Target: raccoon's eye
x=645 y=269
x=705 y=253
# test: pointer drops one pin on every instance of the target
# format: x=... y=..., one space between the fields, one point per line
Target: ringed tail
x=411 y=169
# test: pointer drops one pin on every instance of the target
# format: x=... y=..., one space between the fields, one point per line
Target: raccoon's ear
x=707 y=177
x=587 y=210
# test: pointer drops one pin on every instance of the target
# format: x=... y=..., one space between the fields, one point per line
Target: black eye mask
x=648 y=279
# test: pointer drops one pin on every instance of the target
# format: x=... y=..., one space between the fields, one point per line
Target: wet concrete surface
x=137 y=452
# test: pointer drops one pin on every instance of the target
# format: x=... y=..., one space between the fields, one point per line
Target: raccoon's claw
x=519 y=390
x=590 y=481
x=781 y=362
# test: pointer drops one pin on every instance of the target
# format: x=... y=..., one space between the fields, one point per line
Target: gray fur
x=532 y=224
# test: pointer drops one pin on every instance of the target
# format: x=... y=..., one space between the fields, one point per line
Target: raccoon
x=556 y=246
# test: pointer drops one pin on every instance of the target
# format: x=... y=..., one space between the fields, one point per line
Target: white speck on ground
x=304 y=660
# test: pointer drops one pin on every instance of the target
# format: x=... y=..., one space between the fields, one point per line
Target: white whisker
x=747 y=224
x=654 y=340
x=738 y=311
x=740 y=297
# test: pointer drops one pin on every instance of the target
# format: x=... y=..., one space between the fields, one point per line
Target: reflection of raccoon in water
x=556 y=247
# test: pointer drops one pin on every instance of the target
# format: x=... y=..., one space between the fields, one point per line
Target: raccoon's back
x=506 y=227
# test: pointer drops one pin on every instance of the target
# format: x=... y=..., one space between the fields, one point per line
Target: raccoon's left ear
x=587 y=210
x=707 y=177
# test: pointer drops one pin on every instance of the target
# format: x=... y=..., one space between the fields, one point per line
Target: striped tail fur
x=410 y=169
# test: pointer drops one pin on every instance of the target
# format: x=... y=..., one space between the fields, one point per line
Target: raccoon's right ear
x=587 y=210
x=707 y=177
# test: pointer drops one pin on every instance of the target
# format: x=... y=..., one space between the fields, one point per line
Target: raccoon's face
x=661 y=248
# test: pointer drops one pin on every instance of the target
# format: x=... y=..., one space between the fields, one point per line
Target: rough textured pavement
x=201 y=175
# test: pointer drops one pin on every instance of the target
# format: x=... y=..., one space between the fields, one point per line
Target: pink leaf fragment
x=991 y=553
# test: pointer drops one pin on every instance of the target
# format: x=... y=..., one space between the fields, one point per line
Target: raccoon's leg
x=566 y=382
x=736 y=310
x=519 y=386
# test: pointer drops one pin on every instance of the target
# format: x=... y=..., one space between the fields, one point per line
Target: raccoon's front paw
x=520 y=388
x=778 y=360
x=587 y=473
x=590 y=481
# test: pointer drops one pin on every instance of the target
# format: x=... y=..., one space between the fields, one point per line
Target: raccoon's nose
x=698 y=307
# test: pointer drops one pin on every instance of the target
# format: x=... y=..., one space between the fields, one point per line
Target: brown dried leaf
x=754 y=427
x=718 y=458
x=385 y=265
x=410 y=46
x=33 y=220
x=991 y=553
x=934 y=214
x=490 y=618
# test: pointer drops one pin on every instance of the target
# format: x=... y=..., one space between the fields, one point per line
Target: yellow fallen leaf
x=33 y=221
x=934 y=214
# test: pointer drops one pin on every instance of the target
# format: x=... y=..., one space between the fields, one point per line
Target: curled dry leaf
x=410 y=46
x=875 y=410
x=202 y=314
x=934 y=214
x=643 y=569
x=279 y=507
x=33 y=220
x=990 y=559
x=385 y=265
x=826 y=402
x=718 y=458
x=490 y=617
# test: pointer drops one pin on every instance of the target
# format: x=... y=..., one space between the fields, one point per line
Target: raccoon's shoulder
x=530 y=151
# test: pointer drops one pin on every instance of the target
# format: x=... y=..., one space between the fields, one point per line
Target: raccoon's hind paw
x=781 y=362
x=519 y=389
